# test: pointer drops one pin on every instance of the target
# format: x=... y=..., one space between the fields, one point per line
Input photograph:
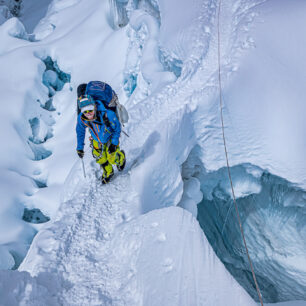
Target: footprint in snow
x=168 y=264
x=161 y=237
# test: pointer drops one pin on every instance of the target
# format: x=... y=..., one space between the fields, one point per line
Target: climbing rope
x=227 y=162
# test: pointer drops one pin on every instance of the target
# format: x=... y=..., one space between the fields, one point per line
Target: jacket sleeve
x=100 y=106
x=80 y=131
x=115 y=126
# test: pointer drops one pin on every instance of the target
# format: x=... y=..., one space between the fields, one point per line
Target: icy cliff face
x=272 y=211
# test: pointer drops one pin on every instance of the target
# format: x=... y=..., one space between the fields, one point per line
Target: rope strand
x=227 y=163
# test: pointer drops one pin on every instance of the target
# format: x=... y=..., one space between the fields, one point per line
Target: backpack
x=103 y=92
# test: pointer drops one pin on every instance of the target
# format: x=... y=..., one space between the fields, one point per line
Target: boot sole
x=106 y=180
x=120 y=168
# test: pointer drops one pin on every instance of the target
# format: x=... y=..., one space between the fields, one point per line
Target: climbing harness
x=227 y=162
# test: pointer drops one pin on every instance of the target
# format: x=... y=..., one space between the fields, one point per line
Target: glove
x=80 y=153
x=112 y=148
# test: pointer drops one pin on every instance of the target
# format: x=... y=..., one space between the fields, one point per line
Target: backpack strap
x=88 y=124
x=104 y=119
x=98 y=122
x=93 y=130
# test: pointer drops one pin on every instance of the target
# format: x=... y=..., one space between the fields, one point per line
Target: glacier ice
x=34 y=216
x=6 y=259
x=192 y=195
x=54 y=78
x=118 y=13
x=273 y=214
x=40 y=131
x=4 y=13
x=14 y=6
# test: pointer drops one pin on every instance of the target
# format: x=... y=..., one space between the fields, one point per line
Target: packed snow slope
x=126 y=243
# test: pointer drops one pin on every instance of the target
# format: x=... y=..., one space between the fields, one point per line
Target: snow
x=291 y=303
x=126 y=243
x=32 y=12
x=151 y=69
x=19 y=288
x=273 y=139
x=4 y=13
x=192 y=195
x=125 y=251
x=7 y=260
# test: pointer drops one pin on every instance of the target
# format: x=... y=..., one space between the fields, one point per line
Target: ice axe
x=83 y=168
x=126 y=134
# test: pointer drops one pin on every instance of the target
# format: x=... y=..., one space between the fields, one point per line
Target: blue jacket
x=103 y=128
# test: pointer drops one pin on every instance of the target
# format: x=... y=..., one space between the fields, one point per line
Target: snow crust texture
x=137 y=241
x=121 y=264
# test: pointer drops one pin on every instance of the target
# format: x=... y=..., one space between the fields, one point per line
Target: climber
x=105 y=129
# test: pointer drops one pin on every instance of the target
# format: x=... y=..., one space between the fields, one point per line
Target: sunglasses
x=88 y=111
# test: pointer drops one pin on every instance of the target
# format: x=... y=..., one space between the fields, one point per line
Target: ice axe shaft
x=125 y=133
x=83 y=168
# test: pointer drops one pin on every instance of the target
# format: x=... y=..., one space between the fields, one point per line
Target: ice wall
x=272 y=211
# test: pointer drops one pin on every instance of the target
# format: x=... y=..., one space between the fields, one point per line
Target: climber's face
x=89 y=114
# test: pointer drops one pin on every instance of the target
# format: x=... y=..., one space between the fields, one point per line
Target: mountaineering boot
x=121 y=160
x=108 y=172
x=105 y=180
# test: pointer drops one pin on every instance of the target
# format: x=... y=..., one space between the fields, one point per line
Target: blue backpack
x=103 y=92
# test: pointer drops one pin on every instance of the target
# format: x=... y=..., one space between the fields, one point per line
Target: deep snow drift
x=125 y=243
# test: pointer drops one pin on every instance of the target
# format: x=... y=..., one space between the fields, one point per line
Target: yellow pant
x=106 y=159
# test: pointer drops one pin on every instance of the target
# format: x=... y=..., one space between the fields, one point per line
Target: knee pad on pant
x=115 y=158
x=112 y=158
x=107 y=169
x=99 y=153
x=99 y=156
